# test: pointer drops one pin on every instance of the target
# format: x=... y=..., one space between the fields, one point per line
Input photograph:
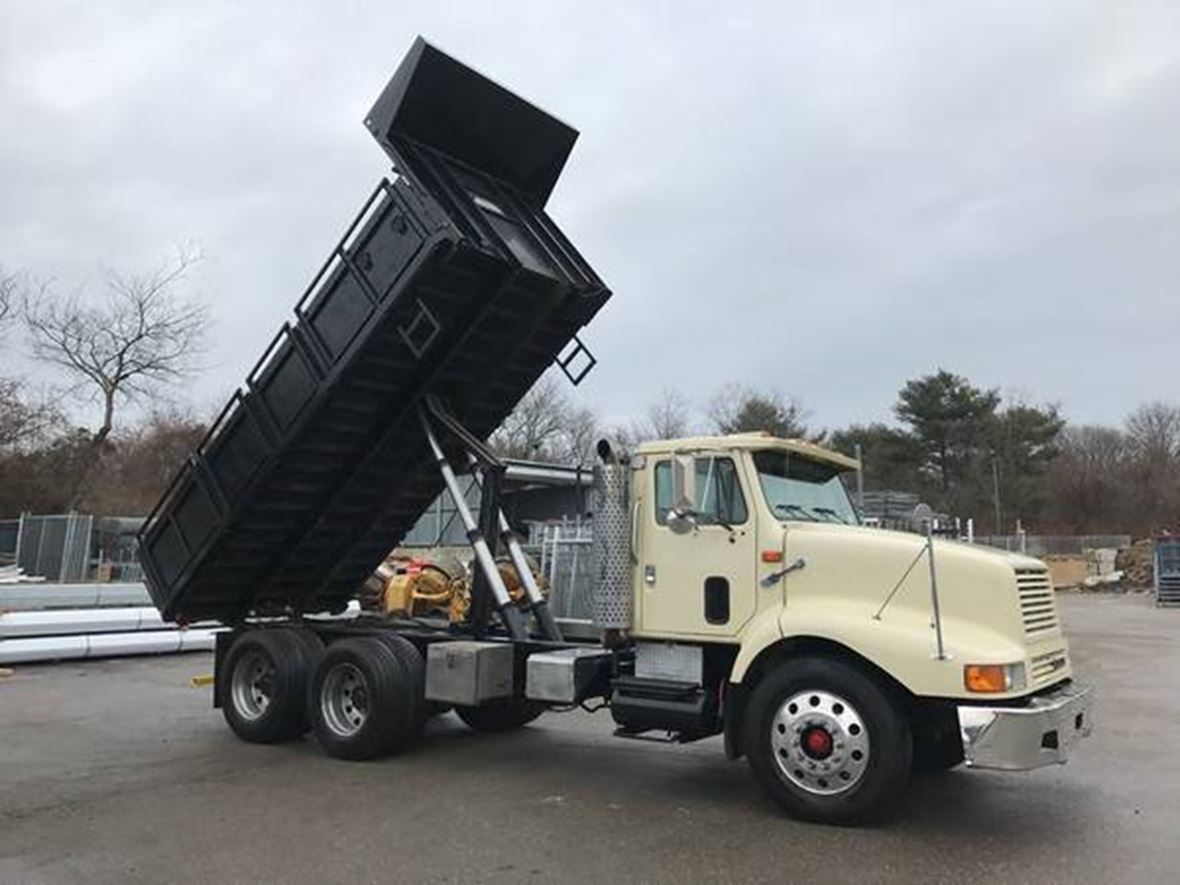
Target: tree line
x=965 y=449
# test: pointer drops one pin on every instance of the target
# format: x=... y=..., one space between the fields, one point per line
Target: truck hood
x=943 y=545
x=977 y=586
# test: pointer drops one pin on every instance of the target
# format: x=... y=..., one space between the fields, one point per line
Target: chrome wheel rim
x=252 y=685
x=344 y=700
x=820 y=743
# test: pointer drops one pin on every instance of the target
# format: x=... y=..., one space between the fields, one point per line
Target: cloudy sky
x=827 y=198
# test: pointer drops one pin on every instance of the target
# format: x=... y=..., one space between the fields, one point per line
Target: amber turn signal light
x=987 y=678
x=772 y=556
x=984 y=677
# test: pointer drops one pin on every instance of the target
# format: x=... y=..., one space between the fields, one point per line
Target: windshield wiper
x=795 y=508
x=829 y=511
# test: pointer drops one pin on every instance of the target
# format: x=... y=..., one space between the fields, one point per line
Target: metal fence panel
x=1054 y=545
x=566 y=562
x=55 y=546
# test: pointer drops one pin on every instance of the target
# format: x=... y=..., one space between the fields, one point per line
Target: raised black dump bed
x=451 y=283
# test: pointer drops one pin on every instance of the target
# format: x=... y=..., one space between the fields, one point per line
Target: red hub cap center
x=817 y=743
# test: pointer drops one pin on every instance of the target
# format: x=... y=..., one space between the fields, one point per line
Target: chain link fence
x=565 y=552
x=1054 y=545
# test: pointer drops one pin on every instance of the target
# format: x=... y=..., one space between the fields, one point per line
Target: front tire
x=827 y=743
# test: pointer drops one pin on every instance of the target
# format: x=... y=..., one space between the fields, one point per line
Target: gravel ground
x=119 y=771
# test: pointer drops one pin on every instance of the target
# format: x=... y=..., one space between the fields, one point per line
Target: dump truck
x=735 y=593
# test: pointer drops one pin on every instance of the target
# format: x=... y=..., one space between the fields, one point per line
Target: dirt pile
x=1135 y=562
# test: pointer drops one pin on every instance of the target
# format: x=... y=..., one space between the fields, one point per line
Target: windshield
x=797 y=488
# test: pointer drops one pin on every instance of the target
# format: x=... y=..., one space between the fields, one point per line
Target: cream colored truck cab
x=840 y=652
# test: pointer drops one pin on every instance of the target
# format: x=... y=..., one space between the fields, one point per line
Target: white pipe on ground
x=71 y=622
x=26 y=597
x=76 y=634
x=63 y=648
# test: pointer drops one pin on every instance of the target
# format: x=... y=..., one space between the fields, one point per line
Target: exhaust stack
x=613 y=557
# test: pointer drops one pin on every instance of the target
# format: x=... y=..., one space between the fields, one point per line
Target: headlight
x=993 y=678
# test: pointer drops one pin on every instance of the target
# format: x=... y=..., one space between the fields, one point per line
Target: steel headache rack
x=452 y=290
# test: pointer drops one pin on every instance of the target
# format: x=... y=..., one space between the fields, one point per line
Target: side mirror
x=682 y=516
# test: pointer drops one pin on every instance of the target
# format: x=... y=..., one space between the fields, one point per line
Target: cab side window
x=718 y=491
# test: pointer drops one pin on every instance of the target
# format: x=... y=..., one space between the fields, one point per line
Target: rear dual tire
x=263 y=685
x=362 y=696
x=367 y=697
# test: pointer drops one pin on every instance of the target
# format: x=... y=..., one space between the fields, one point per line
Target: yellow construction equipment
x=414 y=586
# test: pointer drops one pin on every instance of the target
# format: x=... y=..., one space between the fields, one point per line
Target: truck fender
x=761 y=659
x=760 y=632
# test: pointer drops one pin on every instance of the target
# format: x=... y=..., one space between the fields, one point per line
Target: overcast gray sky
x=827 y=198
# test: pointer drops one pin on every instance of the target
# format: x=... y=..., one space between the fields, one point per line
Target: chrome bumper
x=1020 y=738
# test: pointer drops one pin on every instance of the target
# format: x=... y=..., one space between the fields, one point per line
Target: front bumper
x=1020 y=738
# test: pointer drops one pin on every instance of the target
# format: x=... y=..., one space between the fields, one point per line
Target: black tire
x=499 y=717
x=361 y=699
x=411 y=659
x=312 y=644
x=263 y=686
x=809 y=706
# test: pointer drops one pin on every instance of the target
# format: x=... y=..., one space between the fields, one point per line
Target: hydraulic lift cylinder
x=511 y=615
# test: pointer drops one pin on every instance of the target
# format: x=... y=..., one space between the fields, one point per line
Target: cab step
x=641 y=705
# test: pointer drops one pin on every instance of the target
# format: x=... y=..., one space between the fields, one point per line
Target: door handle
x=774 y=577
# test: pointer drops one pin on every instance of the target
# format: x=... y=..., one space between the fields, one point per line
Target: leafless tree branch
x=546 y=426
x=7 y=296
x=140 y=336
x=25 y=418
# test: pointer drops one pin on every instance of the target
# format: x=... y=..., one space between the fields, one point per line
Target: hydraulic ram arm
x=537 y=603
x=511 y=615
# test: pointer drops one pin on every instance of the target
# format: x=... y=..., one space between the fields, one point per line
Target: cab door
x=700 y=583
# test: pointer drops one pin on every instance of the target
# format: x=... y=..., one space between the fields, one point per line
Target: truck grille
x=1046 y=667
x=1038 y=608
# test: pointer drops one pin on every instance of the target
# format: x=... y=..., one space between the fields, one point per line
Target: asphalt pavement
x=121 y=772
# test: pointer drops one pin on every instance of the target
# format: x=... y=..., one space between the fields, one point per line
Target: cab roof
x=757 y=440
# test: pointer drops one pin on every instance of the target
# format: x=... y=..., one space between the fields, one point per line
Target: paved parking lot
x=119 y=771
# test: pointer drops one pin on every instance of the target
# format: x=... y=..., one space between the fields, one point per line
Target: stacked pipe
x=28 y=597
x=74 y=634
x=57 y=634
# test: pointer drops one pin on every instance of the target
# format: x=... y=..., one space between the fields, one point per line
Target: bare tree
x=1154 y=434
x=24 y=419
x=579 y=438
x=546 y=426
x=738 y=408
x=142 y=461
x=7 y=295
x=123 y=348
x=1087 y=482
x=668 y=416
x=1154 y=431
x=535 y=424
